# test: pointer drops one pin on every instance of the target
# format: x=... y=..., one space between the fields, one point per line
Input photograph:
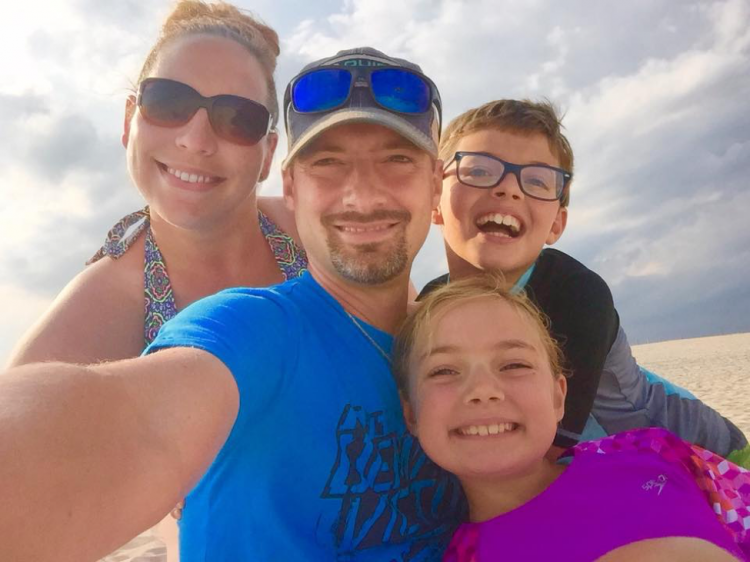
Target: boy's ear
x=437 y=216
x=558 y=399
x=409 y=417
x=558 y=226
x=129 y=110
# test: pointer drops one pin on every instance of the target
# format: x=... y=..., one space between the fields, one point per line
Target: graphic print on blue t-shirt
x=389 y=491
x=319 y=465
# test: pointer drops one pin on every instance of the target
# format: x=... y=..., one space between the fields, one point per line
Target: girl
x=483 y=391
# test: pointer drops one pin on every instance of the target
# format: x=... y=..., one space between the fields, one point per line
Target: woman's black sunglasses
x=168 y=103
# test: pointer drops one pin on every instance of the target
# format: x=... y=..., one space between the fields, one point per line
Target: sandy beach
x=716 y=369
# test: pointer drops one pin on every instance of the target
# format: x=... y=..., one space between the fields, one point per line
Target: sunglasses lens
x=400 y=91
x=167 y=103
x=321 y=90
x=239 y=120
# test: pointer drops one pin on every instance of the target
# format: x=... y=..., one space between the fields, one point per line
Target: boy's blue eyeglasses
x=394 y=89
x=538 y=181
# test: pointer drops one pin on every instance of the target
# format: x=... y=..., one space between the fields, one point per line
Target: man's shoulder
x=283 y=295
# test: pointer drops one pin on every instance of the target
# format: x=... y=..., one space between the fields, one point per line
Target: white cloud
x=655 y=95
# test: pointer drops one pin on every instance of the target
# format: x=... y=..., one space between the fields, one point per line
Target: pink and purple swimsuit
x=637 y=485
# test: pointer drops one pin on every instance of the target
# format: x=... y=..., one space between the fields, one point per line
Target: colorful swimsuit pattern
x=725 y=485
x=697 y=476
x=159 y=296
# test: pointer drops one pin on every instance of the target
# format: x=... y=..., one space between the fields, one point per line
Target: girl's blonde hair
x=221 y=19
x=418 y=326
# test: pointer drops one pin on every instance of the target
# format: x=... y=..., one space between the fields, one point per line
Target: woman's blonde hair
x=418 y=326
x=221 y=19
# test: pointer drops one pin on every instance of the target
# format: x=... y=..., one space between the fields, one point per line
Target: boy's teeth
x=501 y=220
x=483 y=430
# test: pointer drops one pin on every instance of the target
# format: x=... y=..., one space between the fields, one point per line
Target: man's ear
x=558 y=399
x=558 y=226
x=129 y=111
x=272 y=140
x=409 y=415
x=437 y=178
x=287 y=184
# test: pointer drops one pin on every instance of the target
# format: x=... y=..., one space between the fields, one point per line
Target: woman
x=197 y=162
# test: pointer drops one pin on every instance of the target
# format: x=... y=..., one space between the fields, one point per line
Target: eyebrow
x=502 y=345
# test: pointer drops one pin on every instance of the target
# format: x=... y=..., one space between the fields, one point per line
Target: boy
x=506 y=189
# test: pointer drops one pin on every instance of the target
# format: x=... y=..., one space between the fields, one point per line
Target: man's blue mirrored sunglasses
x=394 y=89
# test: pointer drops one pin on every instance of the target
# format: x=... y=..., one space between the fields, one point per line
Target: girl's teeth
x=484 y=430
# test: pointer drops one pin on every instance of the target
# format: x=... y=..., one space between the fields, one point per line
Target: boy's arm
x=93 y=455
x=585 y=323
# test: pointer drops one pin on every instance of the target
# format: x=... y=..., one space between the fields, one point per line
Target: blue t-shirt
x=318 y=465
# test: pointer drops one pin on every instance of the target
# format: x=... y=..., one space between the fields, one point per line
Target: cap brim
x=362 y=115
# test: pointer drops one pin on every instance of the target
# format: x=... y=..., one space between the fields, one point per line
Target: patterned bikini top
x=159 y=297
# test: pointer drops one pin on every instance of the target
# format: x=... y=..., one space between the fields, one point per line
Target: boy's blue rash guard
x=318 y=465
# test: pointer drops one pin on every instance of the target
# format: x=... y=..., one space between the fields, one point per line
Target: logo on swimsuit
x=390 y=492
x=659 y=482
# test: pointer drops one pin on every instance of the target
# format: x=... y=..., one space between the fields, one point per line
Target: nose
x=363 y=188
x=482 y=387
x=510 y=186
x=197 y=135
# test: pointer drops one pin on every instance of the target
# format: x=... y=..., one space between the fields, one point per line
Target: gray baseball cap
x=423 y=129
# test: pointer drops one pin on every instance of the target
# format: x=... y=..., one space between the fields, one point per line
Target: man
x=274 y=406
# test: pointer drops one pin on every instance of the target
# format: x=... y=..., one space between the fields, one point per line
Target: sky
x=654 y=94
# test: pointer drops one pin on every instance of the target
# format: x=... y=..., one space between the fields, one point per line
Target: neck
x=382 y=305
x=459 y=268
x=205 y=259
x=490 y=497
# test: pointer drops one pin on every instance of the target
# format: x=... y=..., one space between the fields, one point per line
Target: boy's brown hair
x=515 y=116
x=493 y=286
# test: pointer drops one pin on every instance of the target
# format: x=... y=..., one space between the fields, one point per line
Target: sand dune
x=716 y=369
